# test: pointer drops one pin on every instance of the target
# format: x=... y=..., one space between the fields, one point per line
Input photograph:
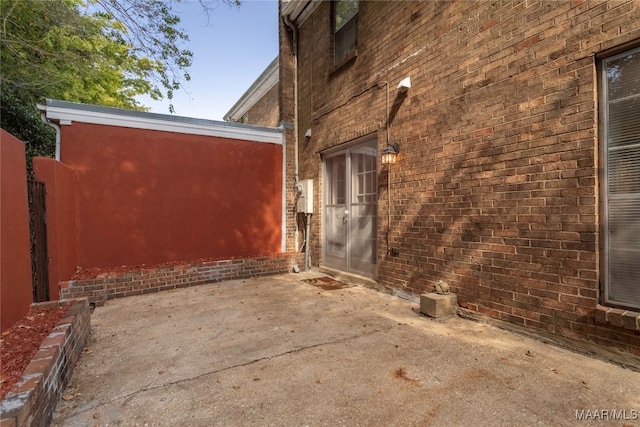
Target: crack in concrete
x=129 y=396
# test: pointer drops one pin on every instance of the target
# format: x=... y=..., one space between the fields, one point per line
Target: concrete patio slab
x=279 y=351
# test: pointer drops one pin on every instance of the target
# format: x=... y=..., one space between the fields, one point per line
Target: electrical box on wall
x=304 y=191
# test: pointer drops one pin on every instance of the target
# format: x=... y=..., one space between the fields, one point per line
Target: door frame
x=344 y=150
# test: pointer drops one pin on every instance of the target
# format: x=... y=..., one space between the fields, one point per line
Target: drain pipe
x=307 y=250
x=287 y=21
x=43 y=117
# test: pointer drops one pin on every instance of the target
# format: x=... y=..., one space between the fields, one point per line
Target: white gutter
x=65 y=112
x=299 y=10
x=43 y=117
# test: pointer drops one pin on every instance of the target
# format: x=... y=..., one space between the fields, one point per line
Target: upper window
x=620 y=76
x=345 y=28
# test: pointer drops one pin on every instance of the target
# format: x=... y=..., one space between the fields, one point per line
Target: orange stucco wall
x=15 y=259
x=148 y=197
x=61 y=219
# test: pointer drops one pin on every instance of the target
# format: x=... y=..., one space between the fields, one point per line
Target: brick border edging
x=154 y=279
x=33 y=399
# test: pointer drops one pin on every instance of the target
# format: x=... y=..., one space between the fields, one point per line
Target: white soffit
x=299 y=10
x=65 y=112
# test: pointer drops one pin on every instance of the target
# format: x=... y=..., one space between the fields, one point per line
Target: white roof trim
x=300 y=10
x=267 y=80
x=66 y=112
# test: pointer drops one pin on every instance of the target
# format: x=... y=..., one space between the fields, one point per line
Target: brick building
x=517 y=178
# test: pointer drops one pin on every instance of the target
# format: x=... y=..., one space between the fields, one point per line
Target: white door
x=350 y=209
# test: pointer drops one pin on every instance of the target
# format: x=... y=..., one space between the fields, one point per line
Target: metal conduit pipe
x=307 y=251
x=287 y=21
x=387 y=125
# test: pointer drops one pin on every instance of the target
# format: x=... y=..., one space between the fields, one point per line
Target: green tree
x=50 y=48
x=21 y=119
x=103 y=52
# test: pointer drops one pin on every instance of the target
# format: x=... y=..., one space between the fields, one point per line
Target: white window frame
x=341 y=36
x=611 y=254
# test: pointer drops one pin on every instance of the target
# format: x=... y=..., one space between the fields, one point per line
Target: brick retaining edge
x=33 y=399
x=154 y=279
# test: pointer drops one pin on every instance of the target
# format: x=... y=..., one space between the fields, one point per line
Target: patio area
x=282 y=351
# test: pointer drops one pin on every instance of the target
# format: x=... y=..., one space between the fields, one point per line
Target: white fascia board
x=268 y=79
x=68 y=112
x=299 y=10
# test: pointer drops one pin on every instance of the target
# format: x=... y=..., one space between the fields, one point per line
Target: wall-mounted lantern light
x=390 y=154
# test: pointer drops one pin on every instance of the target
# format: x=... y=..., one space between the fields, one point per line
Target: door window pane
x=336 y=181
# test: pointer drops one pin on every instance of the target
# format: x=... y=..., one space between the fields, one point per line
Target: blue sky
x=229 y=53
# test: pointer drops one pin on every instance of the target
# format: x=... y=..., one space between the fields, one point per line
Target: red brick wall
x=148 y=280
x=15 y=257
x=149 y=197
x=496 y=186
x=61 y=220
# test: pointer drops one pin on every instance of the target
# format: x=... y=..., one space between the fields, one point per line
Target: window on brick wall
x=621 y=151
x=345 y=29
